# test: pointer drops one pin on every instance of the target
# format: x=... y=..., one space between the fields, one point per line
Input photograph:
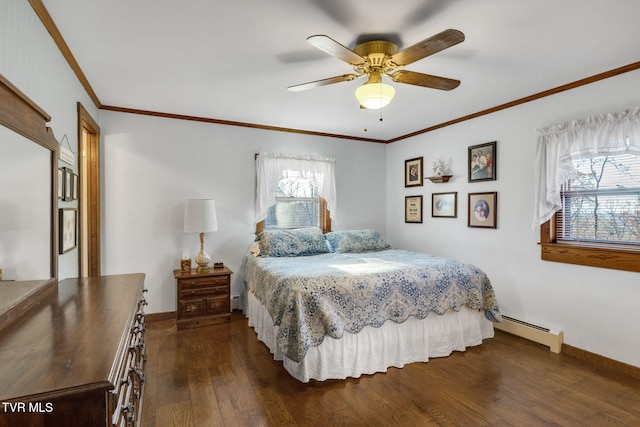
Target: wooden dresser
x=77 y=358
x=203 y=298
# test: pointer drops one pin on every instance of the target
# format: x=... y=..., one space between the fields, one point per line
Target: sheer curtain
x=559 y=144
x=271 y=168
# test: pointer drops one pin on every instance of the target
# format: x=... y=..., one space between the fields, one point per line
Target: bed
x=346 y=304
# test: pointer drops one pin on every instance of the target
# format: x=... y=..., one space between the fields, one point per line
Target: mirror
x=28 y=202
x=25 y=224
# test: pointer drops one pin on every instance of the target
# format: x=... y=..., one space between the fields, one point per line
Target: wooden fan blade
x=333 y=48
x=324 y=82
x=427 y=47
x=424 y=80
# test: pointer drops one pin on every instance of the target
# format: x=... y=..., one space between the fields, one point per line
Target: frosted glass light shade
x=374 y=96
x=200 y=216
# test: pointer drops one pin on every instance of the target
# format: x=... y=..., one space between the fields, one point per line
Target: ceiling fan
x=377 y=58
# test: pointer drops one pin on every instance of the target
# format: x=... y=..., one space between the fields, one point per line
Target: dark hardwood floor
x=223 y=376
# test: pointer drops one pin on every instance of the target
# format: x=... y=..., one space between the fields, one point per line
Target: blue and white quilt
x=309 y=297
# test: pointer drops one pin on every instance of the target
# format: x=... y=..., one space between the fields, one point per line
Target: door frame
x=89 y=206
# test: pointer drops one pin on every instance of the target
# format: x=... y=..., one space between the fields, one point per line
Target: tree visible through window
x=297 y=203
x=602 y=203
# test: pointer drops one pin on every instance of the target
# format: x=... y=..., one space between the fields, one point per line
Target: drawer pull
x=192 y=308
x=216 y=304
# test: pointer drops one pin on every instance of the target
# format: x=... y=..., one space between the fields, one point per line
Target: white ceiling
x=233 y=60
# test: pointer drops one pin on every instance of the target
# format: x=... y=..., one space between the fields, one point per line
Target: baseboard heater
x=545 y=336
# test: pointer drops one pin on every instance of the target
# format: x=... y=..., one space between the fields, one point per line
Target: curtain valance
x=271 y=168
x=558 y=145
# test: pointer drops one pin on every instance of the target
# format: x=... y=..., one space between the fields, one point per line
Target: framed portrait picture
x=483 y=210
x=444 y=205
x=68 y=219
x=413 y=209
x=482 y=162
x=413 y=176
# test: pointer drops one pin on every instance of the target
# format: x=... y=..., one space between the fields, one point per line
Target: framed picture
x=68 y=177
x=444 y=205
x=482 y=162
x=413 y=209
x=74 y=187
x=483 y=210
x=60 y=184
x=68 y=225
x=413 y=176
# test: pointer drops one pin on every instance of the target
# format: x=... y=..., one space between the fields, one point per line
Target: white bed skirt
x=375 y=349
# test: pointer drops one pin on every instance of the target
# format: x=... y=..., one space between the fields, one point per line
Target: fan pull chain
x=366 y=116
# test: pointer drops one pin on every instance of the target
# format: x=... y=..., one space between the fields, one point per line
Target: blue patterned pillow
x=297 y=242
x=356 y=241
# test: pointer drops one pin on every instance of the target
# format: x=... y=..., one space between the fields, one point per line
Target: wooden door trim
x=92 y=177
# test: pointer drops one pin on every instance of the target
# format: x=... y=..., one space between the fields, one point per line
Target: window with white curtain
x=294 y=191
x=587 y=205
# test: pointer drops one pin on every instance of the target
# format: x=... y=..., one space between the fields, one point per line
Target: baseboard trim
x=160 y=317
x=602 y=361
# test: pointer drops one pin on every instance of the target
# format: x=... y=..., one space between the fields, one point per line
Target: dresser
x=77 y=357
x=203 y=298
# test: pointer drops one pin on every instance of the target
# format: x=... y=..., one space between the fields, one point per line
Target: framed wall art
x=74 y=187
x=68 y=229
x=483 y=210
x=413 y=209
x=60 y=184
x=68 y=178
x=413 y=175
x=482 y=162
x=444 y=205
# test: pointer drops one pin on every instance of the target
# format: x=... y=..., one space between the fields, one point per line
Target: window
x=601 y=204
x=294 y=192
x=588 y=191
x=297 y=203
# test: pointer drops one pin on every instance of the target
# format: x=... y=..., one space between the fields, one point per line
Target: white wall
x=596 y=308
x=152 y=165
x=32 y=62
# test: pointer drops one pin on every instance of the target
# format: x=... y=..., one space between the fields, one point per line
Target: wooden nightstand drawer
x=217 y=305
x=219 y=291
x=193 y=283
x=195 y=307
x=203 y=298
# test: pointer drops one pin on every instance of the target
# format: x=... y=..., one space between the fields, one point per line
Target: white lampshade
x=200 y=216
x=374 y=96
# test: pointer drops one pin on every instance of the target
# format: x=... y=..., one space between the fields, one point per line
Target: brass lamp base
x=202 y=259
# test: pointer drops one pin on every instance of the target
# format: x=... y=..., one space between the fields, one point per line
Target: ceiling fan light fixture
x=374 y=96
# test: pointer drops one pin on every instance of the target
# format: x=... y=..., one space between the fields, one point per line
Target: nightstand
x=203 y=298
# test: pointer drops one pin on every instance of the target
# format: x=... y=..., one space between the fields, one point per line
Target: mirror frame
x=25 y=117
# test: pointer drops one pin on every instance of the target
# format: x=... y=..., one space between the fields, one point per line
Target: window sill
x=627 y=259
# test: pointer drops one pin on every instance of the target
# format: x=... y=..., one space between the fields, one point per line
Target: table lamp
x=200 y=217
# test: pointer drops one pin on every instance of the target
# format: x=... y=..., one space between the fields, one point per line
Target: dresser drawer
x=218 y=305
x=203 y=282
x=219 y=291
x=191 y=308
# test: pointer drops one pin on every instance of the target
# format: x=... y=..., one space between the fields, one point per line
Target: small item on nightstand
x=185 y=263
x=218 y=265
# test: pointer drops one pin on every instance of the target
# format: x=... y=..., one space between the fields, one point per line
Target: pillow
x=255 y=249
x=297 y=242
x=356 y=241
